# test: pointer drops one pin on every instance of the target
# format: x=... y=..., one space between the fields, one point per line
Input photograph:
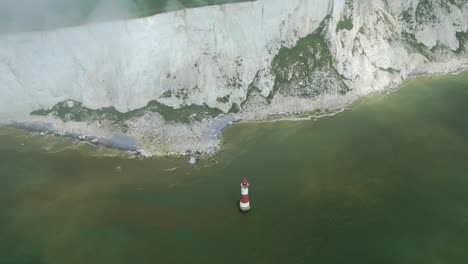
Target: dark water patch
x=119 y=141
x=115 y=140
x=218 y=125
x=416 y=72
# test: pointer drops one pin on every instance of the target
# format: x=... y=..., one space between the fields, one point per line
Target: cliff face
x=391 y=39
x=252 y=58
x=203 y=53
x=213 y=55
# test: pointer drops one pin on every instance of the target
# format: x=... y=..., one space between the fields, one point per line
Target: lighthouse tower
x=244 y=204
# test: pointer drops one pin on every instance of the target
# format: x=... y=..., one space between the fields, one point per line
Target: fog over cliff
x=34 y=15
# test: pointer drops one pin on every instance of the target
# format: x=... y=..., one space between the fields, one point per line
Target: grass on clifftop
x=151 y=7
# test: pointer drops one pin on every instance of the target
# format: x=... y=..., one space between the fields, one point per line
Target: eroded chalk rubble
x=166 y=81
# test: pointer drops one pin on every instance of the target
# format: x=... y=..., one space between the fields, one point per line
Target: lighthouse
x=244 y=203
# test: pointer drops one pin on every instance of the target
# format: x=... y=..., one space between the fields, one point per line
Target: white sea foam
x=192 y=160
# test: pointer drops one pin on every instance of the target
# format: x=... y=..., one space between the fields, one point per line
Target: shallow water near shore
x=383 y=182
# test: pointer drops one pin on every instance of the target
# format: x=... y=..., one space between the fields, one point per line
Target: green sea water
x=384 y=182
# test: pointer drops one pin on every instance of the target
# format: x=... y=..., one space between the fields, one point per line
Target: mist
x=38 y=15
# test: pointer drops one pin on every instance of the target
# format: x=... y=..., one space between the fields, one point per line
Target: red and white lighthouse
x=244 y=204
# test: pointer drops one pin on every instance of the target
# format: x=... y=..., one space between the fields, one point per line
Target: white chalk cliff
x=274 y=56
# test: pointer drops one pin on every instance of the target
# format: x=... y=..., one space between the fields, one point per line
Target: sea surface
x=383 y=182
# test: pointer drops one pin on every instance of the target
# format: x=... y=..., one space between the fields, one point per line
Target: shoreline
x=211 y=131
x=119 y=141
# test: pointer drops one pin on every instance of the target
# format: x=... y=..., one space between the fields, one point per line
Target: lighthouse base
x=244 y=207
